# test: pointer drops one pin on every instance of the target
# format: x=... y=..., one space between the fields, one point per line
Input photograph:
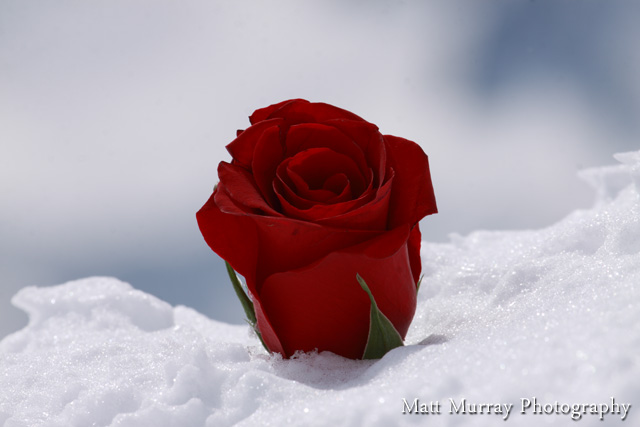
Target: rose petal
x=264 y=113
x=300 y=111
x=286 y=193
x=293 y=205
x=293 y=190
x=301 y=187
x=235 y=239
x=340 y=186
x=285 y=187
x=319 y=195
x=412 y=196
x=267 y=332
x=413 y=246
x=370 y=141
x=336 y=189
x=241 y=188
x=242 y=148
x=316 y=165
x=314 y=135
x=322 y=306
x=368 y=216
x=284 y=244
x=319 y=212
x=369 y=212
x=230 y=232
x=268 y=154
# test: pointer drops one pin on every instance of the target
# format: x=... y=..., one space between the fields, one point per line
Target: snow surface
x=551 y=313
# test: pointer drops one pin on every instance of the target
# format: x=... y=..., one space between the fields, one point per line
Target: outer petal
x=412 y=197
x=242 y=189
x=268 y=154
x=300 y=111
x=234 y=236
x=230 y=232
x=266 y=330
x=264 y=113
x=238 y=235
x=242 y=148
x=415 y=240
x=286 y=244
x=322 y=306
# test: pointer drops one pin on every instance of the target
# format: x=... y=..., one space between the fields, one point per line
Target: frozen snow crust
x=552 y=314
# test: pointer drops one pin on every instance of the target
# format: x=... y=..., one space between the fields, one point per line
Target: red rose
x=313 y=196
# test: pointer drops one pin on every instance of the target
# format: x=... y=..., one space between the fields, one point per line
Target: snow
x=551 y=314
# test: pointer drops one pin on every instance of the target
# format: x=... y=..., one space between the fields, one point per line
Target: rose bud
x=314 y=201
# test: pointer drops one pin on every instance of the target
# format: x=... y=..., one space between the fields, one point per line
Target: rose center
x=322 y=174
x=336 y=183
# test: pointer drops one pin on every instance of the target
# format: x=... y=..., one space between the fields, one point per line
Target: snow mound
x=551 y=314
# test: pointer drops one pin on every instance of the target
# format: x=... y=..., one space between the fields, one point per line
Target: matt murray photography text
x=526 y=406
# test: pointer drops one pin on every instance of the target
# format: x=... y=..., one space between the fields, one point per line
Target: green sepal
x=383 y=336
x=247 y=305
x=419 y=283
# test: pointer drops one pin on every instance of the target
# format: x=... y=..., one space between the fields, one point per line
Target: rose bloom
x=313 y=196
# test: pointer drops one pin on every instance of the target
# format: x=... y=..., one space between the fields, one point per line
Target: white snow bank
x=503 y=316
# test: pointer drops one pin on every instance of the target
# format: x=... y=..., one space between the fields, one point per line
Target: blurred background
x=114 y=115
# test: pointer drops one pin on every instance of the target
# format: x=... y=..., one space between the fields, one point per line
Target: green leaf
x=246 y=302
x=244 y=299
x=383 y=336
x=419 y=283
